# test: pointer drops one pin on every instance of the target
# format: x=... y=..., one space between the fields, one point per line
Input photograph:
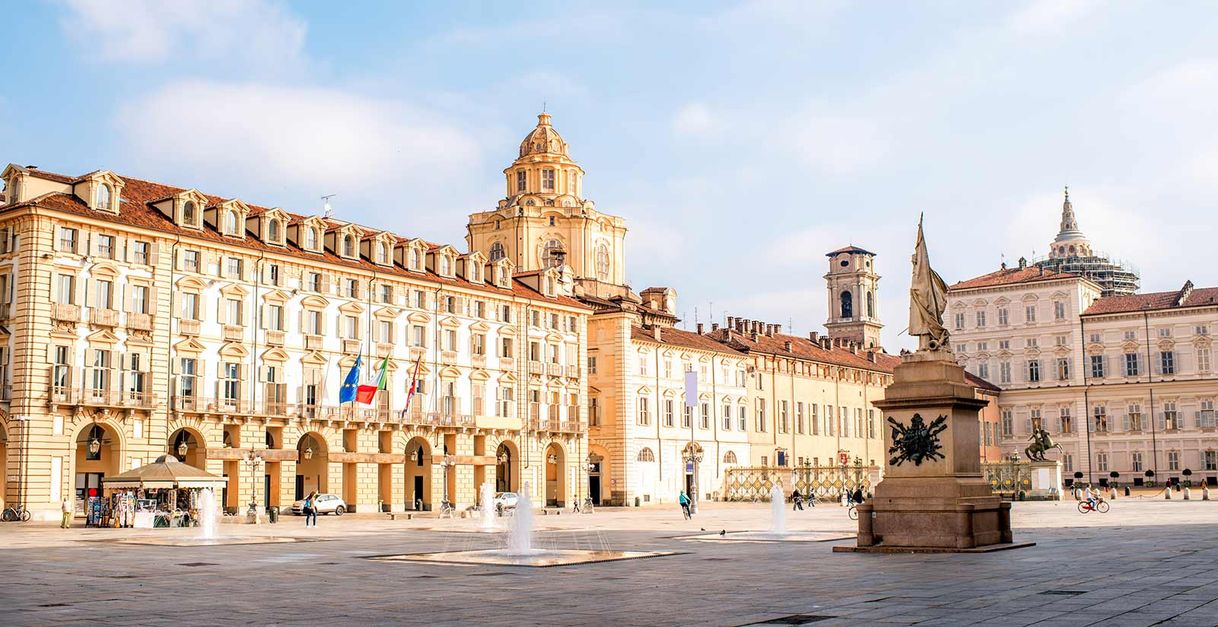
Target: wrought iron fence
x=821 y=482
x=1008 y=477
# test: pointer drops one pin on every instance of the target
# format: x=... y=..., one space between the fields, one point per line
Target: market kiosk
x=165 y=493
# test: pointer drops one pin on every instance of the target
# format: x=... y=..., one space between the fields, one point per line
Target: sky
x=740 y=140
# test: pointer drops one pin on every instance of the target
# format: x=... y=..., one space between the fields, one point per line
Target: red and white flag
x=414 y=386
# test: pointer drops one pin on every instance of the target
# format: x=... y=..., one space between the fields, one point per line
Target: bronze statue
x=1041 y=444
x=927 y=301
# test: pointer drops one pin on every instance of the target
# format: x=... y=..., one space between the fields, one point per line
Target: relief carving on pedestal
x=918 y=442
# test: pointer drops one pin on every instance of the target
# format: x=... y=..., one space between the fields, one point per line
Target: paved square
x=1146 y=562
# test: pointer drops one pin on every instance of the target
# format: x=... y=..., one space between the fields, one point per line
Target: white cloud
x=652 y=243
x=1049 y=17
x=836 y=144
x=322 y=140
x=258 y=33
x=695 y=120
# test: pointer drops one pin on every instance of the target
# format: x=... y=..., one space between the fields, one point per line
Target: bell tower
x=854 y=306
x=546 y=221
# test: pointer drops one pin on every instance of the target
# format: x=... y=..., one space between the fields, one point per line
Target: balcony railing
x=222 y=405
x=558 y=425
x=351 y=346
x=313 y=342
x=100 y=397
x=507 y=363
x=274 y=338
x=448 y=357
x=139 y=322
x=478 y=361
x=103 y=317
x=66 y=313
x=188 y=327
x=536 y=367
x=234 y=333
x=554 y=370
x=573 y=372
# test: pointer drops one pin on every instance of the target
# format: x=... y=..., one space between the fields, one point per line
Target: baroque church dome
x=543 y=140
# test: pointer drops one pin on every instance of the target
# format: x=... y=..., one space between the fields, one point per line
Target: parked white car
x=325 y=504
x=505 y=501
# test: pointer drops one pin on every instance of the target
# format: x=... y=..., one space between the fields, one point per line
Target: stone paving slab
x=1154 y=562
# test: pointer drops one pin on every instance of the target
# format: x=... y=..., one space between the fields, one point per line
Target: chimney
x=730 y=320
x=714 y=327
x=871 y=356
x=655 y=333
x=787 y=346
x=699 y=327
x=755 y=326
x=812 y=335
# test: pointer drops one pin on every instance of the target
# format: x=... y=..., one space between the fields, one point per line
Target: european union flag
x=347 y=393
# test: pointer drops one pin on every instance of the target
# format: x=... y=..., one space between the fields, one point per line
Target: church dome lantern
x=543 y=140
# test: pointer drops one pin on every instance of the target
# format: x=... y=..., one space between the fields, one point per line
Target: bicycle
x=852 y=513
x=15 y=513
x=1100 y=506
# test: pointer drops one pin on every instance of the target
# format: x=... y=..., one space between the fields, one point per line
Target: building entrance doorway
x=594 y=481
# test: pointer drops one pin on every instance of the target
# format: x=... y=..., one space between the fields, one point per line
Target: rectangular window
x=814 y=418
x=67 y=239
x=1065 y=421
x=313 y=325
x=1034 y=371
x=960 y=321
x=505 y=347
x=1136 y=459
x=594 y=412
x=1008 y=423
x=547 y=180
x=139 y=299
x=273 y=274
x=783 y=426
x=1063 y=368
x=230 y=381
x=1097 y=366
x=1059 y=310
x=1004 y=372
x=67 y=289
x=1171 y=417
x=1030 y=313
x=1173 y=460
x=761 y=426
x=352 y=288
x=799 y=417
x=980 y=319
x=1003 y=317
x=1211 y=460
x=313 y=282
x=1134 y=417
x=232 y=311
x=727 y=417
x=741 y=418
x=983 y=370
x=1101 y=462
x=190 y=260
x=387 y=293
x=418 y=335
x=592 y=364
x=189 y=308
x=521 y=178
x=274 y=317
x=105 y=295
x=1167 y=362
x=1099 y=422
x=233 y=267
x=186 y=377
x=1205 y=416
x=1203 y=359
x=644 y=409
x=478 y=344
x=350 y=327
x=105 y=246
x=1131 y=364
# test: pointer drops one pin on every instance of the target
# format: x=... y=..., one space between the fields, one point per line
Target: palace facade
x=141 y=318
x=1125 y=383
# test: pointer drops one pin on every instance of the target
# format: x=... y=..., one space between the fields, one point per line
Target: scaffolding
x=1114 y=277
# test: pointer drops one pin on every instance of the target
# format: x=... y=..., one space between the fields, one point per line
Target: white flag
x=691 y=389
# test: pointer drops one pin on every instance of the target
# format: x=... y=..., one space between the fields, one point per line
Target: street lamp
x=693 y=456
x=182 y=449
x=254 y=462
x=308 y=453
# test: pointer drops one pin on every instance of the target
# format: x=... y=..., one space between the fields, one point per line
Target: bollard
x=1205 y=493
x=1167 y=493
x=1186 y=493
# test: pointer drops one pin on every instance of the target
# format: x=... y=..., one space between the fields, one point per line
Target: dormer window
x=311 y=239
x=474 y=273
x=349 y=246
x=444 y=266
x=274 y=232
x=416 y=259
x=15 y=189
x=104 y=194
x=230 y=222
x=382 y=253
x=189 y=213
x=501 y=276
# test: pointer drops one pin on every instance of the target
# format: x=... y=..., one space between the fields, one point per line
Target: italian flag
x=366 y=394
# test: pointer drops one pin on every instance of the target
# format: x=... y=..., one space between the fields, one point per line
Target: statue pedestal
x=1046 y=481
x=933 y=497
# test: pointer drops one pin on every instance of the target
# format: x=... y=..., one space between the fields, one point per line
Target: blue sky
x=740 y=140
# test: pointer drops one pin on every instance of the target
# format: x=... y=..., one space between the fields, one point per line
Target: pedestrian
x=858 y=496
x=684 y=501
x=310 y=508
x=849 y=497
x=797 y=499
x=66 y=508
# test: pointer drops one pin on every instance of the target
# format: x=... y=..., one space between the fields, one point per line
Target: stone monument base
x=1046 y=481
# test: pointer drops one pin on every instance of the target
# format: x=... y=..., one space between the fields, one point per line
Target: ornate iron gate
x=823 y=482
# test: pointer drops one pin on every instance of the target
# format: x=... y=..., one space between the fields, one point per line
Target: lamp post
x=694 y=457
x=254 y=462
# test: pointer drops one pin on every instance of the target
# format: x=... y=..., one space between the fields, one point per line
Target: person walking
x=684 y=501
x=66 y=508
x=858 y=496
x=310 y=508
x=797 y=499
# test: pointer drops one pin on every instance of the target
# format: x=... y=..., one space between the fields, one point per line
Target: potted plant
x=1187 y=472
x=1150 y=478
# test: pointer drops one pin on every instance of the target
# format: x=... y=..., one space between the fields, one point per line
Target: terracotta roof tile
x=672 y=336
x=1193 y=297
x=1011 y=276
x=136 y=210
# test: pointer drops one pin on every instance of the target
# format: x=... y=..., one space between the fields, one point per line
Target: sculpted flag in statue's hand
x=927 y=300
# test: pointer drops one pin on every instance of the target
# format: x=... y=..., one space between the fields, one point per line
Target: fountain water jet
x=486 y=505
x=209 y=514
x=778 y=510
x=520 y=531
